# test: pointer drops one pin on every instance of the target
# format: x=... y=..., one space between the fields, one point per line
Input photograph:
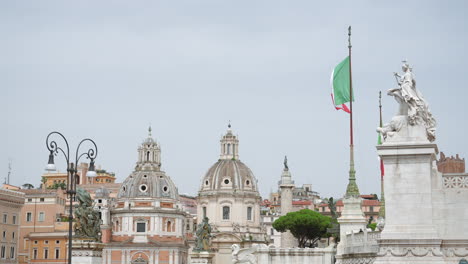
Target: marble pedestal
x=410 y=234
x=352 y=218
x=86 y=252
x=203 y=257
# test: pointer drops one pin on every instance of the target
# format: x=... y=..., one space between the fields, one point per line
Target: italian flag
x=340 y=86
x=382 y=172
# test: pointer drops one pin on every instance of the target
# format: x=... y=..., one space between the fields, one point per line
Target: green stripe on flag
x=341 y=82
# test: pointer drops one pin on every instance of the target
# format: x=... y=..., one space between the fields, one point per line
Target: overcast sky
x=108 y=69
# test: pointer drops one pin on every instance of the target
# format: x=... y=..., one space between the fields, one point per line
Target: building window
x=249 y=213
x=41 y=217
x=46 y=242
x=141 y=227
x=13 y=235
x=204 y=211
x=5 y=217
x=14 y=219
x=57 y=242
x=57 y=253
x=226 y=212
x=168 y=226
x=323 y=209
x=229 y=149
x=28 y=217
x=46 y=253
x=12 y=253
x=147 y=156
x=29 y=200
x=4 y=234
x=41 y=200
x=35 y=253
x=2 y=252
x=272 y=231
x=371 y=208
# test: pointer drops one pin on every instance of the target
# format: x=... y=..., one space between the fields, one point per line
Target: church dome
x=229 y=173
x=148 y=184
x=148 y=181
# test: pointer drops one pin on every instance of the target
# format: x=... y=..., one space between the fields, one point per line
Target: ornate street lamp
x=71 y=173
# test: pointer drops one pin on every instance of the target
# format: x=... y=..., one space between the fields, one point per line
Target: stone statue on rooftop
x=413 y=109
x=286 y=163
x=88 y=222
x=203 y=240
x=332 y=207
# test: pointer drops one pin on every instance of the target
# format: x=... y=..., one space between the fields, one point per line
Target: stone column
x=176 y=257
x=286 y=186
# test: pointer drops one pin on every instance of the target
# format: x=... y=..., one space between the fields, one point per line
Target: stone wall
x=361 y=247
x=272 y=255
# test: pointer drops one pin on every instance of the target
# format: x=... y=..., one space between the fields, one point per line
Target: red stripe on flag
x=382 y=172
x=343 y=107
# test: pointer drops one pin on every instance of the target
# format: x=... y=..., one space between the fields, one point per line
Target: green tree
x=56 y=185
x=306 y=226
x=27 y=186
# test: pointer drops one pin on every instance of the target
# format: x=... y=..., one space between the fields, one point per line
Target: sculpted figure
x=202 y=242
x=413 y=109
x=332 y=207
x=88 y=222
x=244 y=255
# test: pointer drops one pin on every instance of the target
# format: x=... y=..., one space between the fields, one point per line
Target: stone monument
x=286 y=185
x=202 y=252
x=87 y=246
x=410 y=234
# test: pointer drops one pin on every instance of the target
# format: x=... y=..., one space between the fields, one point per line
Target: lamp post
x=71 y=172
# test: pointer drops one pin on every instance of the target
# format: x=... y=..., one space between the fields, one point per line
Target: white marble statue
x=243 y=255
x=413 y=109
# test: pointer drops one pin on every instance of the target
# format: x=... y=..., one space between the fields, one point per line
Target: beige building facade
x=11 y=203
x=43 y=231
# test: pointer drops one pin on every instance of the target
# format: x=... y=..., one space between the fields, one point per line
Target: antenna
x=7 y=180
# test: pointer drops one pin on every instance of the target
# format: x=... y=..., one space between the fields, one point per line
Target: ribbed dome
x=148 y=184
x=228 y=175
x=148 y=181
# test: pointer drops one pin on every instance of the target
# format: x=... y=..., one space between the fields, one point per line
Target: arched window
x=249 y=213
x=233 y=149
x=229 y=149
x=147 y=156
x=226 y=213
x=169 y=226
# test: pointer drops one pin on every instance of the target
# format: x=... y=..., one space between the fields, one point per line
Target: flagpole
x=382 y=196
x=352 y=189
